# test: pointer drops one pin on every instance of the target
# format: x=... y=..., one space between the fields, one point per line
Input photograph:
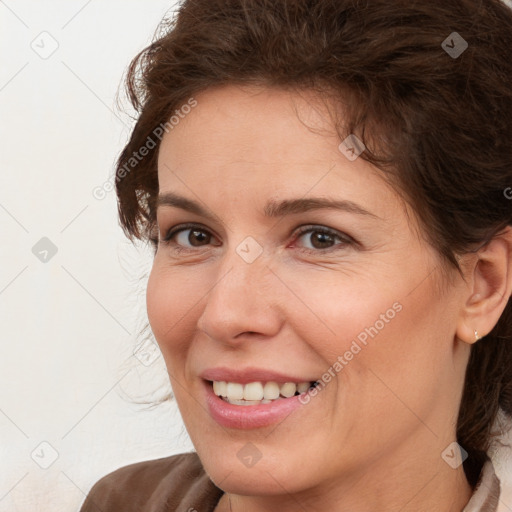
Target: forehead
x=267 y=124
x=263 y=142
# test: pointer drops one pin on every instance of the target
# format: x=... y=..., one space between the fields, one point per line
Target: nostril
x=247 y=333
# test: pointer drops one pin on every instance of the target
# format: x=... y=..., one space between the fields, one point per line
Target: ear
x=489 y=281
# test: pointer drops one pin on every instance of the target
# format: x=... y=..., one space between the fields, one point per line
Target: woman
x=325 y=187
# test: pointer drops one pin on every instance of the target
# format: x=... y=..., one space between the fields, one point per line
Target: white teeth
x=220 y=388
x=288 y=389
x=255 y=393
x=235 y=391
x=271 y=391
x=303 y=387
x=243 y=402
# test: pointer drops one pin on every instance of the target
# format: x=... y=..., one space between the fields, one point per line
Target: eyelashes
x=176 y=236
x=326 y=233
x=168 y=239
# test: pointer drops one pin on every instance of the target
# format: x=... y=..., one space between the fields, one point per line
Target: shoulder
x=178 y=483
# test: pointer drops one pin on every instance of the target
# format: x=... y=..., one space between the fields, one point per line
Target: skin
x=372 y=438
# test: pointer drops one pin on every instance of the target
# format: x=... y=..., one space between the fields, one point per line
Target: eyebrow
x=272 y=209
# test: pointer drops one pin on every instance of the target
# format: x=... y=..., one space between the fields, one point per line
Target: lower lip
x=249 y=416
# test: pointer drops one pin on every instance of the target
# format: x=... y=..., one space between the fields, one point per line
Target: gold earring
x=477 y=337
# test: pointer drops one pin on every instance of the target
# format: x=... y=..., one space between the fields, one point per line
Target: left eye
x=322 y=238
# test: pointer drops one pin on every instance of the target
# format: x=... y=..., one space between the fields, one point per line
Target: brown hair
x=438 y=122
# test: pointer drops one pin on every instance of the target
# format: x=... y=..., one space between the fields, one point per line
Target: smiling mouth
x=258 y=392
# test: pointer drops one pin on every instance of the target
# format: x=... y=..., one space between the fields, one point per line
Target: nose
x=243 y=302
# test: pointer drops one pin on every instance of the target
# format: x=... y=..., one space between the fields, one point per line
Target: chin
x=265 y=478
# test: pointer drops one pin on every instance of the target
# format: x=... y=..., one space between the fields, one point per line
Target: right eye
x=188 y=236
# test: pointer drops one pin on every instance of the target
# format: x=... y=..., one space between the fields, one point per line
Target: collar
x=493 y=492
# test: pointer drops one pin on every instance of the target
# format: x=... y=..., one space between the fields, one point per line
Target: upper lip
x=246 y=375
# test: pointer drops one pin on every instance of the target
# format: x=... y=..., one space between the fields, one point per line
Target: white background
x=68 y=376
x=67 y=326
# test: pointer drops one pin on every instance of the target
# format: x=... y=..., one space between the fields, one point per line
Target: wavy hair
x=425 y=85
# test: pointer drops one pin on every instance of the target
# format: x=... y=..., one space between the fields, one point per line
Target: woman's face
x=267 y=286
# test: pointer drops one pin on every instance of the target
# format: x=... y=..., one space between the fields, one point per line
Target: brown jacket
x=171 y=484
x=180 y=484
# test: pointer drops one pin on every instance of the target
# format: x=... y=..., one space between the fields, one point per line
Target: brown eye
x=188 y=236
x=197 y=237
x=319 y=239
x=192 y=237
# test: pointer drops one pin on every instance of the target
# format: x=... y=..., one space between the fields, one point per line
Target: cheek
x=337 y=309
x=170 y=302
x=358 y=325
x=157 y=302
x=397 y=352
